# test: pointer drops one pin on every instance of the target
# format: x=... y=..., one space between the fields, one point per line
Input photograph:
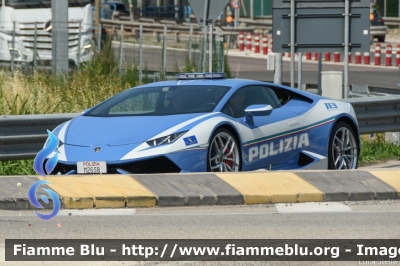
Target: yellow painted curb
x=392 y=178
x=102 y=191
x=272 y=187
x=136 y=194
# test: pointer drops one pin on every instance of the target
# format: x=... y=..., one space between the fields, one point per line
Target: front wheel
x=343 y=148
x=223 y=153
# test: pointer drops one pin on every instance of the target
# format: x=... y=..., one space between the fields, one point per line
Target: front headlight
x=87 y=47
x=166 y=139
x=15 y=53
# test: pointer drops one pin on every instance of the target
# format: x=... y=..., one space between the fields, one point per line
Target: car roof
x=230 y=82
x=234 y=83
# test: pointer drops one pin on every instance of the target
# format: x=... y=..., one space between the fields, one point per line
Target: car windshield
x=166 y=100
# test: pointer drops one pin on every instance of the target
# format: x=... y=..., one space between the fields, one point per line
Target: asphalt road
x=328 y=220
x=253 y=66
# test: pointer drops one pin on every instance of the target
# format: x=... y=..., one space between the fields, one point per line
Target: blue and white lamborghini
x=204 y=122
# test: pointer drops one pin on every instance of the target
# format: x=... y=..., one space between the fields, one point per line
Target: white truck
x=19 y=40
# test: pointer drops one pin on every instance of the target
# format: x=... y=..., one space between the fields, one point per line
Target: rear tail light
x=380 y=20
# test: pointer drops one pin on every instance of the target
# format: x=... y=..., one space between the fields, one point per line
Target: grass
x=40 y=93
x=377 y=150
x=20 y=167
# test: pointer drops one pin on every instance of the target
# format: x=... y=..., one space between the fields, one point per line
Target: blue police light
x=213 y=75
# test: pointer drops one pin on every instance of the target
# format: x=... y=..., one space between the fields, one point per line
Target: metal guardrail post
x=299 y=70
x=13 y=47
x=164 y=59
x=346 y=48
x=121 y=51
x=319 y=73
x=78 y=56
x=217 y=48
x=99 y=38
x=278 y=68
x=140 y=53
x=292 y=41
x=203 y=50
x=35 y=47
x=210 y=50
x=190 y=43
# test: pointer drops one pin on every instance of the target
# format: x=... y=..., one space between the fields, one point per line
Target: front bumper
x=153 y=165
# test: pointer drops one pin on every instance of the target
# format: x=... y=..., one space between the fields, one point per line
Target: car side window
x=237 y=102
x=251 y=95
x=281 y=95
x=227 y=109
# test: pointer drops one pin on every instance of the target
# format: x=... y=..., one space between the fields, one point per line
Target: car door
x=269 y=139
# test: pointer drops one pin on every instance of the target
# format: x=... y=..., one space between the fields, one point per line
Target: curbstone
x=190 y=189
x=349 y=185
x=194 y=189
x=272 y=187
x=14 y=193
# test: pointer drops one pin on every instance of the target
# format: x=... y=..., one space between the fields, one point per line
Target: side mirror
x=257 y=110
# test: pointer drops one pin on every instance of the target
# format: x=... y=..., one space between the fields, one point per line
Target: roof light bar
x=213 y=75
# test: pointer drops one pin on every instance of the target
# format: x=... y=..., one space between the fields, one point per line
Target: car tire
x=223 y=154
x=381 y=38
x=343 y=148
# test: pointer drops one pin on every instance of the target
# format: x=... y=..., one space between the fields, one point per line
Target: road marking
x=312 y=207
x=97 y=212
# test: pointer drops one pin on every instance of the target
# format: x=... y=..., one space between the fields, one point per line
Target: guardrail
x=392 y=21
x=264 y=26
x=377 y=114
x=22 y=136
x=171 y=27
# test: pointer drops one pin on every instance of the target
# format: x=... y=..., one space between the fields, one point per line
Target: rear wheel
x=223 y=152
x=343 y=148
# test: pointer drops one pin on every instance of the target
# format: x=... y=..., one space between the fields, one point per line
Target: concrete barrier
x=260 y=187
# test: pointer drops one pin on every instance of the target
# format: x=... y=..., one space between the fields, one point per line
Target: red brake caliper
x=228 y=150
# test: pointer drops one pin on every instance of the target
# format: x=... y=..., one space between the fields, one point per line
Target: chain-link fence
x=165 y=51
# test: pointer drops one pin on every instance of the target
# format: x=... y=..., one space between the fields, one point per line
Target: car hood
x=114 y=131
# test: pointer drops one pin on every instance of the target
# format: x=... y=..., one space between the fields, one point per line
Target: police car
x=205 y=122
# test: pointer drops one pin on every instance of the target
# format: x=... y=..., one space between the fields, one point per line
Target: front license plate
x=91 y=167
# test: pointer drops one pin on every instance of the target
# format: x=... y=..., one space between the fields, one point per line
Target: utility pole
x=97 y=20
x=131 y=9
x=59 y=38
x=346 y=47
